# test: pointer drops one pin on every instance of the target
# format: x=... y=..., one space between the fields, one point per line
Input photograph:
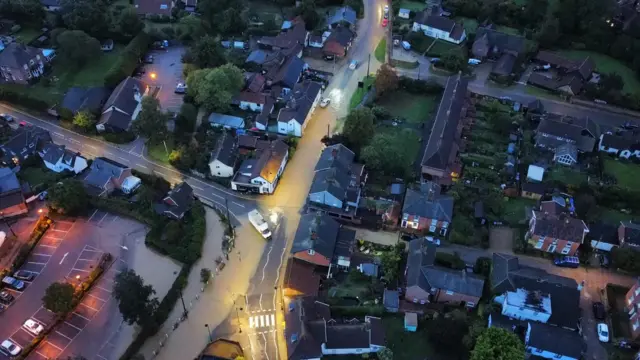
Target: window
x=449 y=292
x=415 y=301
x=566 y=250
x=551 y=248
x=415 y=225
x=539 y=244
x=470 y=304
x=311 y=252
x=163 y=7
x=432 y=228
x=404 y=224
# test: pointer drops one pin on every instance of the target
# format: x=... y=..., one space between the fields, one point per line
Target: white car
x=433 y=240
x=325 y=102
x=10 y=347
x=603 y=332
x=353 y=65
x=7 y=118
x=33 y=327
x=386 y=8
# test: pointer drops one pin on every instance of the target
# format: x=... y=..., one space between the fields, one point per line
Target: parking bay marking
x=73 y=326
x=59 y=333
x=63 y=257
x=48 y=342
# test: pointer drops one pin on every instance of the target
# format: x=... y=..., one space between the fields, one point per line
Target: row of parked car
x=16 y=282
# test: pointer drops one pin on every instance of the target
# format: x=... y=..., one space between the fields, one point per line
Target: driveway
x=167 y=67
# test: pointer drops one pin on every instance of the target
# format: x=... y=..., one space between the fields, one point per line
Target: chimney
x=334 y=153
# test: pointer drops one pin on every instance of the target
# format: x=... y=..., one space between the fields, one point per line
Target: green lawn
x=470 y=25
x=26 y=34
x=566 y=175
x=405 y=344
x=262 y=8
x=358 y=95
x=515 y=209
x=381 y=50
x=441 y=47
x=508 y=30
x=538 y=92
x=606 y=64
x=159 y=153
x=614 y=217
x=625 y=172
x=415 y=108
x=413 y=5
x=38 y=176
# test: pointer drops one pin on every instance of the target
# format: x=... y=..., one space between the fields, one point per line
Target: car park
x=603 y=332
x=10 y=348
x=353 y=64
x=325 y=102
x=5 y=297
x=24 y=275
x=599 y=311
x=13 y=283
x=33 y=327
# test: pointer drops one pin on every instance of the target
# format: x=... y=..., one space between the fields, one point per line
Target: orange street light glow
x=153 y=75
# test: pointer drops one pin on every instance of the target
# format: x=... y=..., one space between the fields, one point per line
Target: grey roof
x=300 y=102
x=346 y=14
x=422 y=272
x=102 y=171
x=78 y=99
x=369 y=269
x=341 y=35
x=226 y=151
x=50 y=2
x=583 y=131
x=344 y=244
x=258 y=56
x=440 y=144
x=556 y=340
x=335 y=181
x=391 y=299
x=492 y=42
x=567 y=149
x=52 y=153
x=625 y=141
x=226 y=120
x=504 y=65
x=508 y=275
x=631 y=232
x=536 y=106
x=316 y=232
x=177 y=201
x=15 y=55
x=286 y=72
x=335 y=155
x=428 y=203
x=122 y=98
x=536 y=188
x=8 y=180
x=27 y=141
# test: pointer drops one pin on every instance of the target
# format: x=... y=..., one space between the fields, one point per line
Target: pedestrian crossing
x=262 y=321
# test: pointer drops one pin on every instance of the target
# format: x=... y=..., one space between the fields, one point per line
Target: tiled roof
x=428 y=203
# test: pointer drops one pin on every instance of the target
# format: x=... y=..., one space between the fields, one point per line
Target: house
x=262 y=120
x=439 y=27
x=123 y=106
x=391 y=300
x=28 y=141
x=222 y=349
x=317 y=41
x=21 y=64
x=153 y=7
x=550 y=342
x=79 y=99
x=177 y=202
x=568 y=76
x=337 y=183
x=12 y=201
x=624 y=145
x=603 y=236
x=339 y=42
x=322 y=241
x=106 y=45
x=568 y=84
x=411 y=321
x=404 y=13
x=260 y=174
x=426 y=282
x=58 y=159
x=535 y=173
x=51 y=5
x=555 y=130
x=284 y=72
x=440 y=161
x=535 y=107
x=292 y=40
x=344 y=16
x=190 y=5
x=226 y=121
x=247 y=100
x=629 y=234
x=310 y=332
x=223 y=159
x=533 y=191
x=566 y=154
x=427 y=210
x=106 y=175
x=502 y=47
x=633 y=305
x=556 y=233
x=532 y=294
x=300 y=279
x=300 y=105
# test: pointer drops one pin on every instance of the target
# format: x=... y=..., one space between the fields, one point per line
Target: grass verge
x=626 y=173
x=404 y=64
x=381 y=50
x=358 y=95
x=159 y=153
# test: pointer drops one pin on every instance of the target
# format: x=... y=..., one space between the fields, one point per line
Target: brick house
x=426 y=282
x=19 y=64
x=556 y=233
x=427 y=210
x=322 y=241
x=633 y=305
x=105 y=176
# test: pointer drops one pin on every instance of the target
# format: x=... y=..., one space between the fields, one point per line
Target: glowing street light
x=153 y=75
x=39 y=211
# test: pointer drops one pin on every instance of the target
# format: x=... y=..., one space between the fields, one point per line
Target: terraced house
x=556 y=233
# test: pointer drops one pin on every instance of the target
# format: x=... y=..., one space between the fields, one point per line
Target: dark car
x=24 y=275
x=148 y=59
x=599 y=311
x=5 y=297
x=329 y=57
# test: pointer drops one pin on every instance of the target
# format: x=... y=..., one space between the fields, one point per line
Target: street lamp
x=153 y=75
x=209 y=331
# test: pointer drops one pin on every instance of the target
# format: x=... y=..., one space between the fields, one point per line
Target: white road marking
x=261 y=320
x=197 y=187
x=58 y=134
x=273 y=319
x=73 y=326
x=105 y=215
x=93 y=296
x=48 y=342
x=63 y=257
x=100 y=287
x=64 y=335
x=39 y=353
x=142 y=166
x=123 y=159
x=36 y=263
x=235 y=203
x=108 y=152
x=101 y=357
x=48 y=246
x=91 y=146
x=90 y=307
x=78 y=315
x=251 y=324
x=38 y=254
x=91 y=217
x=159 y=173
x=80 y=270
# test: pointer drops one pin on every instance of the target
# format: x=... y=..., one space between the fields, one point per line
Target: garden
x=415 y=108
x=625 y=172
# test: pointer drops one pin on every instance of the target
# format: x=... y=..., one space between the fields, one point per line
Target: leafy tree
x=549 y=32
x=58 y=298
x=454 y=61
x=447 y=331
x=134 y=298
x=482 y=266
x=214 y=12
x=390 y=261
x=358 y=128
x=205 y=275
x=626 y=259
x=186 y=122
x=500 y=122
x=587 y=208
x=214 y=88
x=151 y=123
x=193 y=26
x=498 y=344
x=77 y=48
x=389 y=154
x=206 y=52
x=128 y=22
x=233 y=21
x=23 y=10
x=307 y=10
x=68 y=197
x=85 y=120
x=385 y=354
x=386 y=80
x=90 y=16
x=183 y=158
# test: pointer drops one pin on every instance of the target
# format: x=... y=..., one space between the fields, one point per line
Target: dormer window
x=31 y=62
x=311 y=252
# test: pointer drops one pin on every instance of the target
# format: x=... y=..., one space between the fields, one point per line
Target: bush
x=356 y=311
x=482 y=266
x=452 y=261
x=119 y=138
x=38 y=232
x=23 y=99
x=626 y=259
x=128 y=60
x=416 y=86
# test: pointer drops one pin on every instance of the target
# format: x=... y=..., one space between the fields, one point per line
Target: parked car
x=433 y=240
x=474 y=62
x=603 y=332
x=181 y=88
x=23 y=123
x=24 y=275
x=7 y=118
x=567 y=261
x=629 y=125
x=434 y=60
x=599 y=311
x=406 y=45
x=10 y=348
x=385 y=22
x=5 y=297
x=13 y=283
x=33 y=327
x=353 y=65
x=148 y=59
x=325 y=102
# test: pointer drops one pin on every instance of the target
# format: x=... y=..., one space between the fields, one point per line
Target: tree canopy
x=389 y=153
x=90 y=16
x=214 y=88
x=358 y=128
x=68 y=197
x=134 y=298
x=386 y=80
x=206 y=52
x=77 y=48
x=498 y=344
x=23 y=10
x=58 y=298
x=85 y=120
x=128 y=22
x=151 y=123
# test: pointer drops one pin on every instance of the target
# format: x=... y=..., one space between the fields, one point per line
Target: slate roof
x=568 y=149
x=102 y=171
x=630 y=232
x=15 y=55
x=440 y=144
x=336 y=155
x=79 y=99
x=226 y=120
x=258 y=56
x=300 y=102
x=422 y=272
x=177 y=202
x=625 y=141
x=341 y=35
x=603 y=232
x=346 y=14
x=344 y=244
x=391 y=299
x=536 y=106
x=316 y=232
x=26 y=142
x=10 y=189
x=52 y=153
x=250 y=97
x=583 y=131
x=428 y=203
x=504 y=65
x=123 y=98
x=288 y=38
x=536 y=188
x=559 y=227
x=226 y=150
x=334 y=181
x=287 y=73
x=556 y=340
x=490 y=42
x=508 y=275
x=583 y=67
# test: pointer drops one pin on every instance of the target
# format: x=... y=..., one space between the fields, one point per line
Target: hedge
x=23 y=99
x=357 y=311
x=119 y=138
x=452 y=261
x=38 y=232
x=416 y=86
x=128 y=60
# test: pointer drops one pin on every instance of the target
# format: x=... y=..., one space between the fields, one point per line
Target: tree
x=390 y=261
x=385 y=354
x=233 y=22
x=446 y=332
x=186 y=122
x=498 y=344
x=90 y=16
x=84 y=120
x=307 y=10
x=206 y=52
x=389 y=154
x=214 y=88
x=128 y=22
x=358 y=128
x=30 y=11
x=205 y=275
x=151 y=123
x=587 y=208
x=386 y=80
x=135 y=300
x=58 y=298
x=68 y=197
x=77 y=48
x=454 y=61
x=183 y=158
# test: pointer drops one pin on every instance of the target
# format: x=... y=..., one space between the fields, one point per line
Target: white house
x=261 y=173
x=527 y=305
x=58 y=159
x=123 y=106
x=223 y=158
x=439 y=27
x=294 y=117
x=248 y=100
x=624 y=146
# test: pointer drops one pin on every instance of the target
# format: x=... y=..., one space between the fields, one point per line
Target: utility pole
x=328 y=131
x=226 y=205
x=369 y=65
x=209 y=331
x=418 y=70
x=186 y=313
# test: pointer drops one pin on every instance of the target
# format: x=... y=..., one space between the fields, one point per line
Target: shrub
x=452 y=261
x=119 y=138
x=22 y=99
x=482 y=266
x=416 y=86
x=128 y=60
